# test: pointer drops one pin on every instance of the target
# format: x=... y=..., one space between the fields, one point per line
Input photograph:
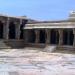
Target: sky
x=38 y=9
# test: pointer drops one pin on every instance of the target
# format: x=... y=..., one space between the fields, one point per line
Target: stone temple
x=21 y=32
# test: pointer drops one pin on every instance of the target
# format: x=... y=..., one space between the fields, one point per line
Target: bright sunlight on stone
x=31 y=61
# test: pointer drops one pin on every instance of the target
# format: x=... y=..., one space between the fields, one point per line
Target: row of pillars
x=6 y=29
x=60 y=31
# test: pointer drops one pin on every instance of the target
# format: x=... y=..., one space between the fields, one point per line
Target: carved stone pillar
x=60 y=36
x=6 y=29
x=57 y=40
x=18 y=29
x=37 y=33
x=47 y=36
x=74 y=37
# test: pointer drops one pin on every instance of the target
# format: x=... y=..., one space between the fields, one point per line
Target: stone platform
x=11 y=44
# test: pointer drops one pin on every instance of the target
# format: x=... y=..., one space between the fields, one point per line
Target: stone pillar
x=56 y=36
x=37 y=33
x=18 y=24
x=74 y=37
x=17 y=31
x=6 y=29
x=60 y=36
x=47 y=36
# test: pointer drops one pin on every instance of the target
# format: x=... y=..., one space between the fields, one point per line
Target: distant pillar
x=57 y=40
x=6 y=29
x=18 y=24
x=47 y=36
x=74 y=37
x=60 y=36
x=37 y=32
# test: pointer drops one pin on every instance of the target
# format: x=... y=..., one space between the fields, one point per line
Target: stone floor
x=30 y=61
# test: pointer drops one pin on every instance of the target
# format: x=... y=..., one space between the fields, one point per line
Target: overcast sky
x=38 y=9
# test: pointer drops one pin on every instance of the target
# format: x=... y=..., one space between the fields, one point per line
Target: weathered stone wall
x=12 y=44
x=15 y=43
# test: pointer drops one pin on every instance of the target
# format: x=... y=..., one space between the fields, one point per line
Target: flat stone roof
x=17 y=17
x=50 y=25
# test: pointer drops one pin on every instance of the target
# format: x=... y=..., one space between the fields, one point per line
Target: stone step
x=65 y=48
x=35 y=45
x=11 y=44
x=49 y=48
x=3 y=45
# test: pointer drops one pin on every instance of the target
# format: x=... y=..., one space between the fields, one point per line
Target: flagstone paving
x=36 y=62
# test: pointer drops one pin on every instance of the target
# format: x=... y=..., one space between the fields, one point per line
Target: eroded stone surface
x=35 y=62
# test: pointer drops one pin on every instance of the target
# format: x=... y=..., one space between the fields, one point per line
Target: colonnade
x=69 y=37
x=6 y=24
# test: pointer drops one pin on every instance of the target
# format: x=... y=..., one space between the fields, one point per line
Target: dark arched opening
x=32 y=36
x=42 y=36
x=68 y=37
x=71 y=37
x=1 y=30
x=21 y=31
x=54 y=37
x=12 y=30
x=65 y=37
x=57 y=36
